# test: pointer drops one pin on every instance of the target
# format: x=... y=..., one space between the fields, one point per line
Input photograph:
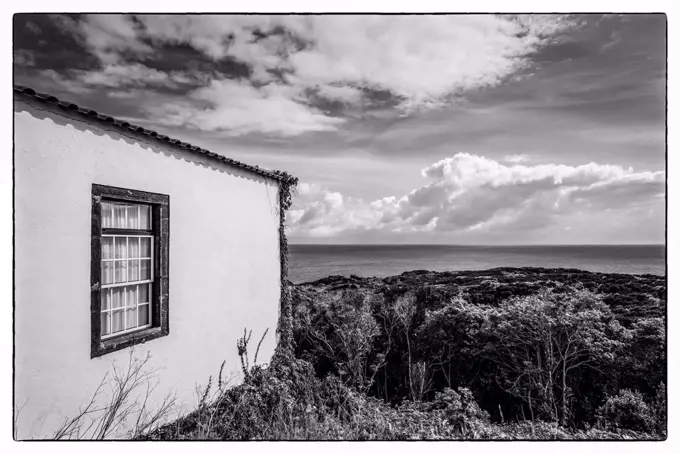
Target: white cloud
x=236 y=107
x=516 y=158
x=63 y=83
x=107 y=35
x=117 y=75
x=421 y=60
x=469 y=193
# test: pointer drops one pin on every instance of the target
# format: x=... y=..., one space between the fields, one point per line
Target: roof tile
x=92 y=114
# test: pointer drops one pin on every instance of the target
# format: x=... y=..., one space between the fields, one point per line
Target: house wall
x=224 y=264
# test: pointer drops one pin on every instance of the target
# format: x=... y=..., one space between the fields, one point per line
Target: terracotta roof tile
x=93 y=114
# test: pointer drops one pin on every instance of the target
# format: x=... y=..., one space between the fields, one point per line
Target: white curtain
x=131 y=318
x=117 y=297
x=145 y=269
x=121 y=247
x=106 y=299
x=116 y=321
x=107 y=273
x=119 y=212
x=121 y=271
x=144 y=217
x=107 y=215
x=145 y=247
x=107 y=247
x=126 y=216
x=133 y=270
x=131 y=296
x=105 y=320
x=133 y=247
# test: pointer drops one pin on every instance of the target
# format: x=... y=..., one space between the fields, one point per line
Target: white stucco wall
x=224 y=263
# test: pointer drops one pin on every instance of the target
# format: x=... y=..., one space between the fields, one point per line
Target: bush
x=626 y=410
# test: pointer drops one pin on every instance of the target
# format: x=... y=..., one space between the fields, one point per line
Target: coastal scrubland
x=508 y=353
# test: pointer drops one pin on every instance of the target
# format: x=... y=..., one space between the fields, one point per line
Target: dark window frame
x=160 y=226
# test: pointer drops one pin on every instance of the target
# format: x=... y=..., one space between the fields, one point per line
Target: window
x=130 y=232
x=127 y=268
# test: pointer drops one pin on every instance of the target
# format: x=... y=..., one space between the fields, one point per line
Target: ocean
x=311 y=262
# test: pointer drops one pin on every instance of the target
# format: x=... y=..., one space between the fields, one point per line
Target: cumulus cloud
x=421 y=61
x=467 y=193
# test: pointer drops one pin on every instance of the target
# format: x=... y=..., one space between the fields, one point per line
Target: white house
x=130 y=241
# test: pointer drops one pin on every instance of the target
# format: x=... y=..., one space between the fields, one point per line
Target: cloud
x=236 y=108
x=516 y=158
x=107 y=36
x=33 y=28
x=298 y=63
x=116 y=75
x=63 y=83
x=24 y=58
x=470 y=193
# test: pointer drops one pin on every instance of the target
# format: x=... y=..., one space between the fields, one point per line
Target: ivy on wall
x=284 y=350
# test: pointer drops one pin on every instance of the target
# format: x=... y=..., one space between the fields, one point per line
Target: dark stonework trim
x=130 y=195
x=160 y=221
x=95 y=275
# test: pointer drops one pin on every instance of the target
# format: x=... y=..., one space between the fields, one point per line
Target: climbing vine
x=284 y=349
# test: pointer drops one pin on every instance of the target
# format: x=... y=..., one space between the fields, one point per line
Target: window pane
x=117 y=321
x=144 y=293
x=119 y=216
x=121 y=271
x=133 y=270
x=144 y=217
x=143 y=315
x=145 y=247
x=131 y=318
x=131 y=296
x=106 y=299
x=121 y=247
x=107 y=247
x=132 y=217
x=107 y=215
x=145 y=269
x=105 y=318
x=107 y=273
x=133 y=247
x=117 y=297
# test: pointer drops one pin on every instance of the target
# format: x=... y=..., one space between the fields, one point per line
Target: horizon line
x=478 y=245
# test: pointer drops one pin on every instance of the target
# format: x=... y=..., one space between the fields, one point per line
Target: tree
x=540 y=340
x=404 y=311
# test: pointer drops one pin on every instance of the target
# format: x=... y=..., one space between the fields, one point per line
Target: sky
x=458 y=129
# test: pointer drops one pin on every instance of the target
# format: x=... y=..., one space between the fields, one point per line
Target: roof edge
x=125 y=126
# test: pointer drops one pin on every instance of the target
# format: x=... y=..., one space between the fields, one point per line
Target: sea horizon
x=476 y=245
x=314 y=261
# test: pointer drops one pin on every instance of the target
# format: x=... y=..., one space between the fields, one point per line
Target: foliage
x=498 y=354
x=531 y=344
x=627 y=410
x=284 y=329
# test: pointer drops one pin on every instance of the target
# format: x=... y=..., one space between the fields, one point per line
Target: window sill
x=114 y=344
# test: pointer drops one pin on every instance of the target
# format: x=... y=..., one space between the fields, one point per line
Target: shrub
x=626 y=410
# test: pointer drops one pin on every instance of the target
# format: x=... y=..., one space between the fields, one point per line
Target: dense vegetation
x=564 y=346
x=505 y=353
